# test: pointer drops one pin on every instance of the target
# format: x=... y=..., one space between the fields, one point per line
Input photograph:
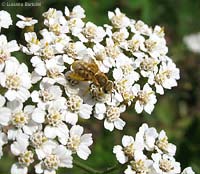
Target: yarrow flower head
x=81 y=71
x=141 y=155
x=16 y=80
x=58 y=157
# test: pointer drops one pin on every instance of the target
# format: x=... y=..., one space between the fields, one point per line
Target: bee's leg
x=111 y=96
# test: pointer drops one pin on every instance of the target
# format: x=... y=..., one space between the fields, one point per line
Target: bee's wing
x=74 y=76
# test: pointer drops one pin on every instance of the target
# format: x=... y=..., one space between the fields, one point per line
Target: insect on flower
x=89 y=71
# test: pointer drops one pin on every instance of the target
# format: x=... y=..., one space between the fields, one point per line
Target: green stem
x=111 y=169
x=86 y=168
x=94 y=171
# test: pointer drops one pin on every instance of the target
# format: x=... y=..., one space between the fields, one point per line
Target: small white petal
x=71 y=118
x=38 y=115
x=138 y=107
x=17 y=169
x=108 y=125
x=149 y=108
x=188 y=170
x=127 y=140
x=100 y=108
x=86 y=139
x=76 y=130
x=83 y=152
x=119 y=124
x=38 y=168
x=5 y=115
x=50 y=132
x=85 y=111
x=117 y=74
x=11 y=95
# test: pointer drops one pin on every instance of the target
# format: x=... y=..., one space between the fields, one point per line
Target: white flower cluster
x=46 y=129
x=102 y=69
x=192 y=41
x=78 y=70
x=148 y=153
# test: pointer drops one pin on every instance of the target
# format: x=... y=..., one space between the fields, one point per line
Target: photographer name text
x=21 y=4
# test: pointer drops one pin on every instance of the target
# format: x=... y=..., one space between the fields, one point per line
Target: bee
x=89 y=71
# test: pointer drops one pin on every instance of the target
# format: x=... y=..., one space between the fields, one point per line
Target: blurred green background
x=177 y=112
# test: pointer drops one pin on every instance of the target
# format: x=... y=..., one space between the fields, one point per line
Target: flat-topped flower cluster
x=79 y=70
x=148 y=153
